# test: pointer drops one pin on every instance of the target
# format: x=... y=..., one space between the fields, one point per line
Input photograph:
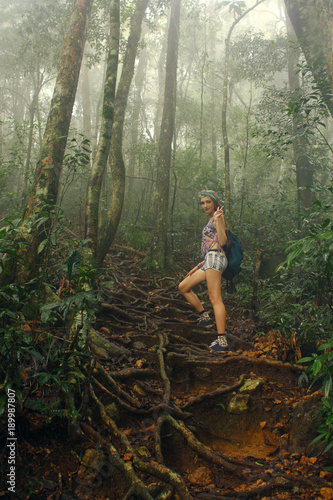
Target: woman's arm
x=220 y=227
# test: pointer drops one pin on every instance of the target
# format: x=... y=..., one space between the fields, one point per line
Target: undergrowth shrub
x=35 y=353
x=320 y=370
x=299 y=298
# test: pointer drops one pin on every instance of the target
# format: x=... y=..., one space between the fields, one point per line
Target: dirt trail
x=172 y=420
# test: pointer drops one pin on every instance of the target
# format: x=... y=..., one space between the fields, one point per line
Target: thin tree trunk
x=86 y=101
x=304 y=168
x=212 y=48
x=202 y=90
x=161 y=81
x=103 y=148
x=116 y=156
x=137 y=106
x=227 y=197
x=32 y=113
x=159 y=250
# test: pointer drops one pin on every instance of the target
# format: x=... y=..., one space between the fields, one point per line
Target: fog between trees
x=249 y=119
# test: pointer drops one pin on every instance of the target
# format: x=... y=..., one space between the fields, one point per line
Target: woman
x=210 y=269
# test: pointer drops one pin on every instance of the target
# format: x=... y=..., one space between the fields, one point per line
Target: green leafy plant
x=325 y=431
x=52 y=363
x=320 y=370
x=300 y=297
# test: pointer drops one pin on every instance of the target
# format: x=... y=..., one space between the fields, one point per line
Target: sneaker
x=205 y=320
x=220 y=344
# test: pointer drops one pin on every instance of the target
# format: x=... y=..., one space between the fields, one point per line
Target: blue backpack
x=234 y=251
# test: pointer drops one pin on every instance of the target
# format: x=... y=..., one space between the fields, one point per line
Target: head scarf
x=211 y=195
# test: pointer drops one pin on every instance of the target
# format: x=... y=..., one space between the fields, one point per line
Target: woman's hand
x=219 y=221
x=194 y=269
x=218 y=213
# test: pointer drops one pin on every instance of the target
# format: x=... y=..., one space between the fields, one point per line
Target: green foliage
x=285 y=116
x=299 y=298
x=285 y=307
x=10 y=242
x=320 y=370
x=312 y=255
x=14 y=345
x=256 y=58
x=13 y=163
x=314 y=252
x=78 y=276
x=51 y=361
x=50 y=410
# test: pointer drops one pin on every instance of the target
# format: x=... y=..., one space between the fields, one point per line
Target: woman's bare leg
x=185 y=288
x=213 y=279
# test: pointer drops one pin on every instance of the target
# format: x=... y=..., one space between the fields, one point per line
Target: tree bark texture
x=46 y=183
x=304 y=167
x=135 y=118
x=116 y=157
x=103 y=149
x=159 y=250
x=312 y=22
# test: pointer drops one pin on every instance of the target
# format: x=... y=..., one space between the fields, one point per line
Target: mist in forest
x=249 y=120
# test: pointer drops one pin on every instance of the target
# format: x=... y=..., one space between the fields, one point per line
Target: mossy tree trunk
x=109 y=229
x=44 y=192
x=103 y=148
x=158 y=256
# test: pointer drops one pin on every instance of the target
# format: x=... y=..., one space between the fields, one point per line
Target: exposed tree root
x=152 y=468
x=174 y=357
x=135 y=373
x=137 y=486
x=213 y=394
x=200 y=448
x=118 y=391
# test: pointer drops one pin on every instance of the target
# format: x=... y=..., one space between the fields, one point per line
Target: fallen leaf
x=326 y=493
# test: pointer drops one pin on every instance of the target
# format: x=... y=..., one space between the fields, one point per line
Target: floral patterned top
x=209 y=237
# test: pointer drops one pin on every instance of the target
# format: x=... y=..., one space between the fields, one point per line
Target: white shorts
x=215 y=260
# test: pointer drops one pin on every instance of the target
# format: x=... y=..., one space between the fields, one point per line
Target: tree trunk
x=86 y=102
x=211 y=77
x=161 y=81
x=227 y=196
x=159 y=250
x=116 y=156
x=304 y=168
x=32 y=110
x=135 y=118
x=46 y=183
x=312 y=22
x=103 y=148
